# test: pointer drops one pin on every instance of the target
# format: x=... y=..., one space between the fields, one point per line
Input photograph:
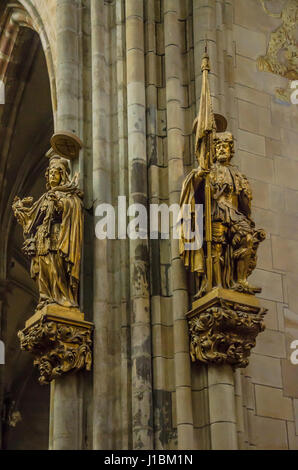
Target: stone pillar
x=221 y=389
x=101 y=194
x=173 y=71
x=142 y=411
x=125 y=364
x=66 y=419
x=222 y=407
x=66 y=416
x=205 y=26
x=68 y=65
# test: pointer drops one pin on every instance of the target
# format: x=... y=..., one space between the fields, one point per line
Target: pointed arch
x=24 y=14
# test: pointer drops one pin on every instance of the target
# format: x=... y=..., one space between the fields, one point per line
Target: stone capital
x=223 y=326
x=60 y=341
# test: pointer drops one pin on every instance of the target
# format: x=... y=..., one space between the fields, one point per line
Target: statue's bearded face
x=223 y=151
x=54 y=177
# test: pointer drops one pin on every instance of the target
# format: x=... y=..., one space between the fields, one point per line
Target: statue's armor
x=227 y=184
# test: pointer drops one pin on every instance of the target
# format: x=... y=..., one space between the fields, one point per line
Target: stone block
x=163 y=374
x=286 y=171
x=271 y=403
x=246 y=73
x=271 y=319
x=181 y=339
x=182 y=369
x=291 y=288
x=273 y=147
x=289 y=141
x=291 y=201
x=285 y=254
x=200 y=404
x=290 y=378
x=248 y=116
x=260 y=192
x=248 y=392
x=222 y=403
x=135 y=66
x=252 y=95
x=271 y=343
x=292 y=436
x=184 y=410
x=277 y=198
x=266 y=219
x=251 y=143
x=252 y=16
x=134 y=8
x=270 y=282
x=202 y=438
x=265 y=255
x=162 y=341
x=295 y=403
x=199 y=376
x=223 y=436
x=265 y=370
x=268 y=433
x=135 y=33
x=249 y=43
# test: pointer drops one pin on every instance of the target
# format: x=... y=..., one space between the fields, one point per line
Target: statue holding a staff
x=228 y=254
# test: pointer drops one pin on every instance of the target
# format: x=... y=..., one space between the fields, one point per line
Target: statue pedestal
x=223 y=327
x=60 y=341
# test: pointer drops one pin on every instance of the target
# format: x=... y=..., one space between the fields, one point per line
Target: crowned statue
x=53 y=231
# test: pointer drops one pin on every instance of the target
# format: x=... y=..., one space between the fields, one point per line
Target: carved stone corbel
x=223 y=327
x=60 y=341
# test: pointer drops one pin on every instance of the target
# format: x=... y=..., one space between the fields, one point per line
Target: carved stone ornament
x=223 y=327
x=60 y=342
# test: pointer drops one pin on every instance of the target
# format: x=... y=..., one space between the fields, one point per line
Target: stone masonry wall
x=267 y=153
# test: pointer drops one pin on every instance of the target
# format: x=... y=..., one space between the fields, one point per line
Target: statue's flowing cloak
x=193 y=259
x=71 y=228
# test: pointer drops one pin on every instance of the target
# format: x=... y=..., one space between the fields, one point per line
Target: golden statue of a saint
x=228 y=255
x=53 y=231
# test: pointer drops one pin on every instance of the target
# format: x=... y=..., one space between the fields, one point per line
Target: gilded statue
x=228 y=255
x=53 y=231
x=226 y=317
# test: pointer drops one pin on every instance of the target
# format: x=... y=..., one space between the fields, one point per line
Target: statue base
x=59 y=339
x=223 y=327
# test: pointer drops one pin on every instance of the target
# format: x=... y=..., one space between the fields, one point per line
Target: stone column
x=68 y=65
x=123 y=263
x=205 y=26
x=101 y=194
x=222 y=407
x=66 y=414
x=173 y=71
x=221 y=387
x=66 y=418
x=139 y=291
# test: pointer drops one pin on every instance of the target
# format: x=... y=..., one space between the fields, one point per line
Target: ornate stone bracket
x=223 y=327
x=60 y=341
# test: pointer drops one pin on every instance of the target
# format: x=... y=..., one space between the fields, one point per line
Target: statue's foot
x=202 y=289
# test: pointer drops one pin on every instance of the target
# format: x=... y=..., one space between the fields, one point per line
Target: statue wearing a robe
x=53 y=231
